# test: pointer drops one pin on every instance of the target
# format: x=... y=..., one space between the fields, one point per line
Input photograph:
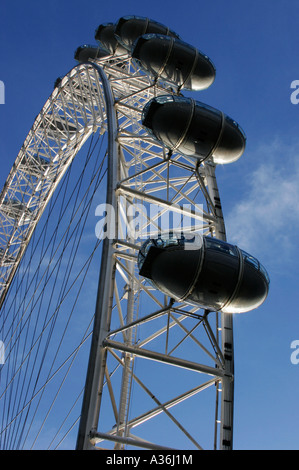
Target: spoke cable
x=18 y=324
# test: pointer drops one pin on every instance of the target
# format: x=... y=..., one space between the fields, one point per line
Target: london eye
x=118 y=286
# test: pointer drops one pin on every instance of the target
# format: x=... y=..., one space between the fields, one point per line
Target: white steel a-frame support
x=120 y=185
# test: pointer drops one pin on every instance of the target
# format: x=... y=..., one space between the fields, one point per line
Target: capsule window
x=219 y=245
x=257 y=265
x=234 y=123
x=145 y=248
x=264 y=272
x=250 y=259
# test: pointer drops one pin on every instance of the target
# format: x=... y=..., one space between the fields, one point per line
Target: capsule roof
x=129 y=28
x=194 y=129
x=105 y=36
x=174 y=61
x=204 y=271
x=86 y=52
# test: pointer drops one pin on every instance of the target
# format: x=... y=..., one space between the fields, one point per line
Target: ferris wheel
x=155 y=334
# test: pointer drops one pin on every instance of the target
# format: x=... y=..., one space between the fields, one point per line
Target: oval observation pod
x=86 y=52
x=105 y=36
x=129 y=28
x=205 y=272
x=194 y=129
x=174 y=61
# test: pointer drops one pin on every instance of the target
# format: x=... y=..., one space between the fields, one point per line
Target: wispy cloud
x=265 y=221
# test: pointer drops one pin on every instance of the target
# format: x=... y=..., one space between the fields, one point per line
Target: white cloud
x=266 y=218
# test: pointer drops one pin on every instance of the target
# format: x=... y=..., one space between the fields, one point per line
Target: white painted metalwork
x=149 y=355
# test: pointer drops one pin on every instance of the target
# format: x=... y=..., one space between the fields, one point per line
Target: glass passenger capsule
x=129 y=28
x=105 y=36
x=174 y=61
x=205 y=272
x=194 y=129
x=86 y=52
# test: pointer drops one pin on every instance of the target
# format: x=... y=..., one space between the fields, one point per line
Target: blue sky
x=253 y=46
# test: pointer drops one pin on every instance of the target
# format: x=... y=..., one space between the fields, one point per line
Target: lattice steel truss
x=184 y=352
